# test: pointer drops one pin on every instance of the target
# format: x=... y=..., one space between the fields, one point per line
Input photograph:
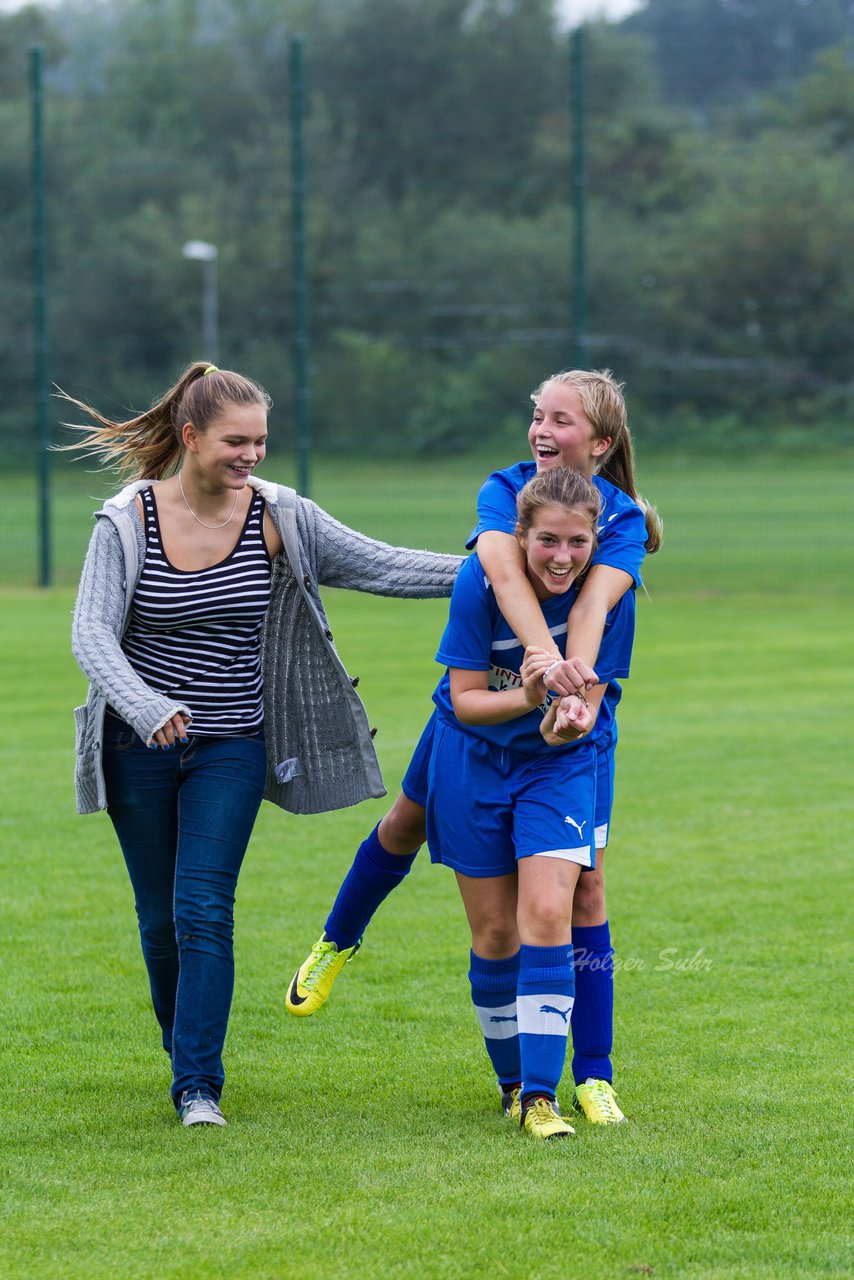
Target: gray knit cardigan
x=319 y=749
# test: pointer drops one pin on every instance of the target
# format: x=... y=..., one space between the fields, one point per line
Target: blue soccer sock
x=493 y=993
x=593 y=1014
x=370 y=880
x=544 y=1005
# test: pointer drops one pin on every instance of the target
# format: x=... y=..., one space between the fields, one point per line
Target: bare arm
x=475 y=703
x=603 y=588
x=503 y=563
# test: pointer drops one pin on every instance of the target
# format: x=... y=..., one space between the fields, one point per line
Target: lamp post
x=202 y=251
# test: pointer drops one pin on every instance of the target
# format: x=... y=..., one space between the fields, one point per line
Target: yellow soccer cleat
x=595 y=1099
x=542 y=1119
x=313 y=981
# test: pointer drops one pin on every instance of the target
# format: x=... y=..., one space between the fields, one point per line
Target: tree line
x=438 y=135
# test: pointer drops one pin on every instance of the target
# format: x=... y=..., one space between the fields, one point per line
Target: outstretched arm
x=342 y=557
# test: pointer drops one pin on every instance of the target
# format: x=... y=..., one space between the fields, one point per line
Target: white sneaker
x=197 y=1108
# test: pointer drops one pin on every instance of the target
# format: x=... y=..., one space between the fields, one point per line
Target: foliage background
x=720 y=155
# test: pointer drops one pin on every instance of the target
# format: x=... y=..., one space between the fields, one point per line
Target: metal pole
x=300 y=306
x=42 y=384
x=579 y=199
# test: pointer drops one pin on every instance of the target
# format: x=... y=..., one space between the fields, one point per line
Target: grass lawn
x=367 y=1141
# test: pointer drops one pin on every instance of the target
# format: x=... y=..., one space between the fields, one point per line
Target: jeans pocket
x=118 y=736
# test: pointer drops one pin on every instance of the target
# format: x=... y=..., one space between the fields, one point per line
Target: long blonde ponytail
x=148 y=446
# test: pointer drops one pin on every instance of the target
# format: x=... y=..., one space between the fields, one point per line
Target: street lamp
x=201 y=251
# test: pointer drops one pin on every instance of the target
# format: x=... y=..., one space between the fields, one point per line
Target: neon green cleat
x=510 y=1102
x=542 y=1119
x=313 y=981
x=595 y=1099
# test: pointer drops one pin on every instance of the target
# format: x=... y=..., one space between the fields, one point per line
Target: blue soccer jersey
x=621 y=532
x=478 y=638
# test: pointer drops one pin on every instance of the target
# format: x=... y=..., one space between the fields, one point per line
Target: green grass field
x=367 y=1141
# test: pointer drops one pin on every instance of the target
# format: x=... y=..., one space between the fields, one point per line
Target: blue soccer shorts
x=605 y=765
x=488 y=806
x=416 y=780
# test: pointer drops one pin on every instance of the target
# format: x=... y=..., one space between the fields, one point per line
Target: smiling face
x=561 y=434
x=557 y=546
x=227 y=452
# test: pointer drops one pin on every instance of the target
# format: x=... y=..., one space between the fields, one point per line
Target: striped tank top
x=195 y=635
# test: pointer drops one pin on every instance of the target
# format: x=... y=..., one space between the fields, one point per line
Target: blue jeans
x=183 y=818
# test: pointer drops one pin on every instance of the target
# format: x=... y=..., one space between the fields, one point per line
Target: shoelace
x=544 y=1109
x=198 y=1099
x=325 y=956
x=602 y=1099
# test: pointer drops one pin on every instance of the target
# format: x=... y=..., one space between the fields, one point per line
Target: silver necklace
x=195 y=517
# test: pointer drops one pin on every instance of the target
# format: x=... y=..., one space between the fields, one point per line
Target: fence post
x=42 y=384
x=300 y=305
x=579 y=200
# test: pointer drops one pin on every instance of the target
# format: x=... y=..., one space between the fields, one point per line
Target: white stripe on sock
x=499 y=1023
x=544 y=1015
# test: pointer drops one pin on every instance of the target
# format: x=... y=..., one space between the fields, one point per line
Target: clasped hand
x=561 y=676
x=569 y=716
x=567 y=719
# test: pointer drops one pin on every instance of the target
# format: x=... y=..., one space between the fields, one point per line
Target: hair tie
x=210 y=369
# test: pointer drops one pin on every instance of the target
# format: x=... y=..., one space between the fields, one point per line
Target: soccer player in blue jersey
x=513 y=816
x=579 y=420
